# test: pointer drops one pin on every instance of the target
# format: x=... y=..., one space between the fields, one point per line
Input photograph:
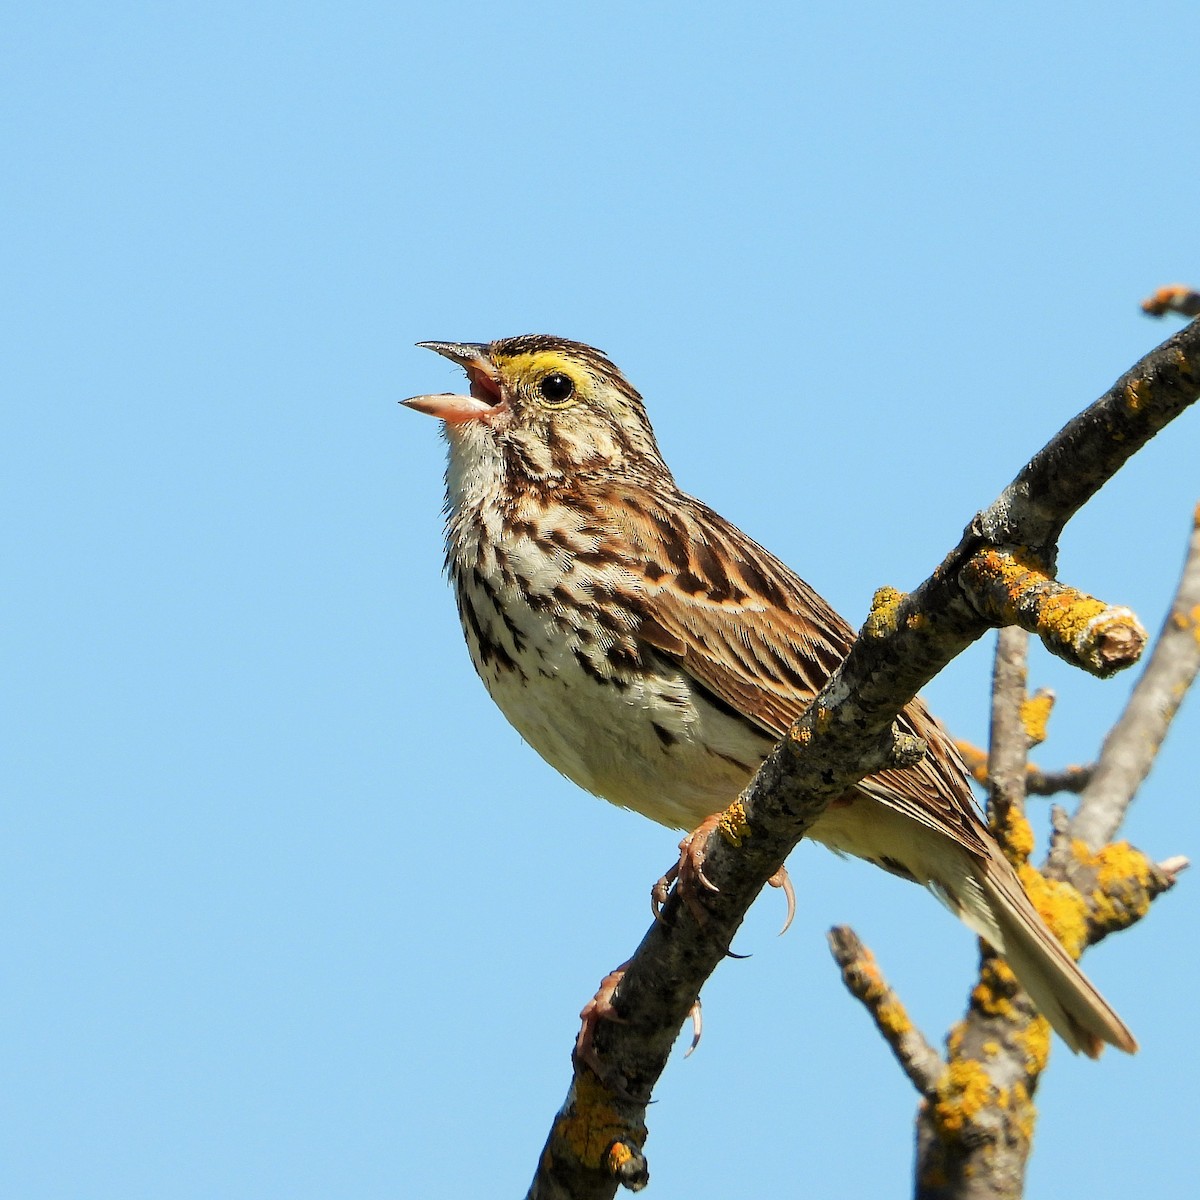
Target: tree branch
x=975 y=1140
x=1174 y=298
x=846 y=734
x=1131 y=746
x=860 y=972
x=1038 y=782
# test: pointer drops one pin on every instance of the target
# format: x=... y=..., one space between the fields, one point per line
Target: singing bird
x=654 y=654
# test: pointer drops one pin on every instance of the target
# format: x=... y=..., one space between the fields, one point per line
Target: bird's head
x=551 y=408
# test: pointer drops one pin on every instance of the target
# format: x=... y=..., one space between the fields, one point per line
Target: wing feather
x=755 y=635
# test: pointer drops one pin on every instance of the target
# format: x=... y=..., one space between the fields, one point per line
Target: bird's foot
x=687 y=875
x=600 y=1008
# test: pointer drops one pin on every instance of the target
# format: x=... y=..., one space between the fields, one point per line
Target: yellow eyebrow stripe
x=539 y=362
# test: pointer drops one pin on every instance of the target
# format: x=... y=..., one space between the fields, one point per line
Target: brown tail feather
x=1060 y=990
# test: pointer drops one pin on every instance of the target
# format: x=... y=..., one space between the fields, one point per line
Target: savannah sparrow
x=653 y=653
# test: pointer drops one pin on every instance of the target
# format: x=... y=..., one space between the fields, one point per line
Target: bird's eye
x=556 y=388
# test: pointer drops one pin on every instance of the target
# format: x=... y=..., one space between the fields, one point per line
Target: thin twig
x=1038 y=782
x=862 y=976
x=1009 y=741
x=1174 y=298
x=1131 y=746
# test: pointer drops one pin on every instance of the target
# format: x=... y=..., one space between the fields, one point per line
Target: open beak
x=486 y=398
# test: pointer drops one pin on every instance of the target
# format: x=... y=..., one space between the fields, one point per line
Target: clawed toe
x=600 y=1008
x=687 y=875
x=697 y=1016
x=781 y=879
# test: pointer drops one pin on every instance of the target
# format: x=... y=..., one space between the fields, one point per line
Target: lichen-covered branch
x=1009 y=742
x=845 y=734
x=1038 y=782
x=860 y=972
x=1011 y=588
x=973 y=1141
x=1131 y=746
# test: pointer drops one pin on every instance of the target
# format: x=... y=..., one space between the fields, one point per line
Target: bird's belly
x=649 y=747
x=646 y=738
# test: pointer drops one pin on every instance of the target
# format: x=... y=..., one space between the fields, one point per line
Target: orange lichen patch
x=883 y=618
x=1016 y=590
x=963 y=1092
x=1035 y=713
x=1006 y=579
x=619 y=1154
x=590 y=1124
x=733 y=824
x=867 y=966
x=1175 y=297
x=800 y=735
x=1061 y=906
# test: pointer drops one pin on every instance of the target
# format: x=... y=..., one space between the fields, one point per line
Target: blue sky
x=290 y=911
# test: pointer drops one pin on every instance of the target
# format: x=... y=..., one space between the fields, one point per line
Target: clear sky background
x=289 y=911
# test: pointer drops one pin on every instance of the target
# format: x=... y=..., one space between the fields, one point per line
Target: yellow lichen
x=1061 y=906
x=992 y=995
x=591 y=1124
x=1069 y=618
x=963 y=1092
x=1015 y=836
x=1120 y=863
x=1034 y=1041
x=1137 y=393
x=892 y=1018
x=1123 y=879
x=1035 y=712
x=883 y=617
x=733 y=824
x=1011 y=574
x=954 y=1039
x=1186 y=620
